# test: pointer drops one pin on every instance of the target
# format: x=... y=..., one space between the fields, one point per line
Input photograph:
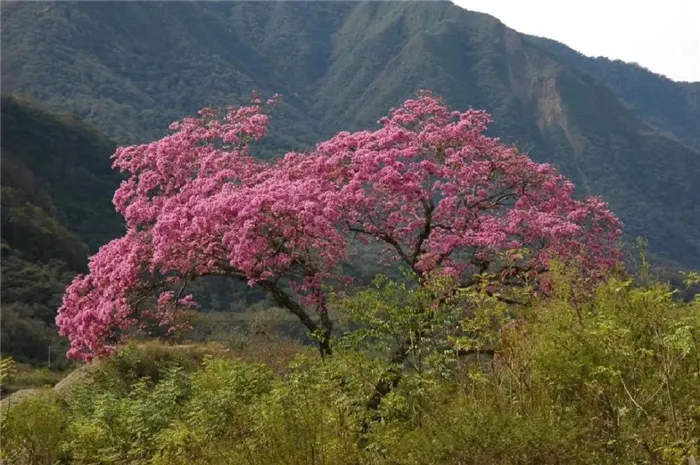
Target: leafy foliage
x=7 y=369
x=584 y=376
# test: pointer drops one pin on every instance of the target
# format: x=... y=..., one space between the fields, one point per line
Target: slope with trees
x=339 y=66
x=668 y=105
x=56 y=189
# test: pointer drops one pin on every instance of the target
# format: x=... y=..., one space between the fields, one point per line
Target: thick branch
x=467 y=352
x=428 y=207
x=283 y=300
x=389 y=380
x=391 y=377
x=326 y=326
x=389 y=240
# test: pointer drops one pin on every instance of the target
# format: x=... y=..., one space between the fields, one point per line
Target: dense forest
x=575 y=370
x=56 y=184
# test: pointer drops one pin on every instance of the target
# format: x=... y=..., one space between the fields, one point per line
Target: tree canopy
x=428 y=186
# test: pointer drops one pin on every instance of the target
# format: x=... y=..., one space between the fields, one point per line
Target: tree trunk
x=283 y=300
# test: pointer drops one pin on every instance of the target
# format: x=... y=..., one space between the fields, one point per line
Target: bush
x=586 y=376
x=33 y=430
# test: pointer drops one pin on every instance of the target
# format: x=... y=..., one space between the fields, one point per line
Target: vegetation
x=511 y=356
x=428 y=191
x=500 y=326
x=60 y=165
x=56 y=183
x=57 y=186
x=671 y=106
x=578 y=377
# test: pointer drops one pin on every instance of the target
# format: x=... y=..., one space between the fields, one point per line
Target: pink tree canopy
x=428 y=185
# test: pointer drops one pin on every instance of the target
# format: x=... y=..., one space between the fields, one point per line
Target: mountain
x=56 y=209
x=61 y=165
x=130 y=68
x=666 y=104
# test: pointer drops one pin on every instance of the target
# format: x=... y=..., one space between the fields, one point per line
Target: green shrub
x=33 y=430
x=588 y=376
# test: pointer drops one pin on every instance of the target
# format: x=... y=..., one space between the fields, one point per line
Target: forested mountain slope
x=56 y=191
x=669 y=105
x=132 y=68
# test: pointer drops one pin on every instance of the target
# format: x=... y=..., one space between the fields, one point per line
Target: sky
x=661 y=35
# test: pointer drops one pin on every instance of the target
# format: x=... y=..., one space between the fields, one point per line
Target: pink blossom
x=428 y=185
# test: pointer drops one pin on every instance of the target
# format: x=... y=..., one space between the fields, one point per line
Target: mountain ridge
x=340 y=66
x=673 y=106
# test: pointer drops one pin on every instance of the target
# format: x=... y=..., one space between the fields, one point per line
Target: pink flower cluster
x=428 y=185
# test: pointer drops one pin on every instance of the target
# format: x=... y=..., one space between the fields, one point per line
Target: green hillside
x=671 y=106
x=56 y=192
x=131 y=68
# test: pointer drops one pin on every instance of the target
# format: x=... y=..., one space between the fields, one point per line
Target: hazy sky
x=661 y=35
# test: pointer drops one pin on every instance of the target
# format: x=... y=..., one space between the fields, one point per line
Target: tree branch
x=283 y=300
x=388 y=382
x=428 y=208
x=389 y=240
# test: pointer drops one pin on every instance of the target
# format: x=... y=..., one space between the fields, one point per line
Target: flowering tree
x=428 y=185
